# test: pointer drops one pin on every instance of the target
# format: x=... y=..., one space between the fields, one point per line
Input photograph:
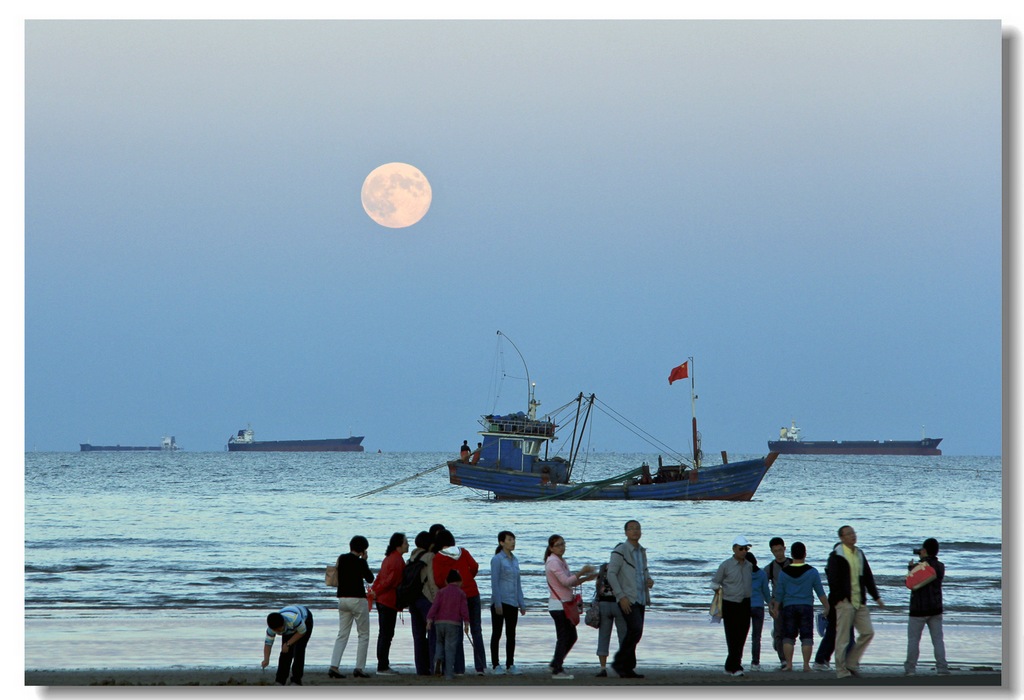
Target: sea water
x=170 y=536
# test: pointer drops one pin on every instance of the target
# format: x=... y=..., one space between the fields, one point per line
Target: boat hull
x=86 y=447
x=350 y=444
x=925 y=447
x=736 y=481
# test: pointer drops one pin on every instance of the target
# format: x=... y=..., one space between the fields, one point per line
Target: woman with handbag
x=562 y=604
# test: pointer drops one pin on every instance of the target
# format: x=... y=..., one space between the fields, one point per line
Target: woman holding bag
x=560 y=584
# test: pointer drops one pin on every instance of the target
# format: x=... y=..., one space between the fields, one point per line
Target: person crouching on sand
x=295 y=625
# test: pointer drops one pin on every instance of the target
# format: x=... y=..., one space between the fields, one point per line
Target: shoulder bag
x=572 y=608
x=715 y=612
x=921 y=575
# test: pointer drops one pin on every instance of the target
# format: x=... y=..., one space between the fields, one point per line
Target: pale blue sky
x=811 y=209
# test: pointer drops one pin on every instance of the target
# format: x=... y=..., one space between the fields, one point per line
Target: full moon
x=396 y=195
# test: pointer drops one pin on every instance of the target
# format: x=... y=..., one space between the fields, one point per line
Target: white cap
x=741 y=541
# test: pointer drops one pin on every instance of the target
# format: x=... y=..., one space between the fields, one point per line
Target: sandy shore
x=676 y=649
x=583 y=675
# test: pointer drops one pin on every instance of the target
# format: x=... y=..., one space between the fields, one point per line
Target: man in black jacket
x=849 y=582
x=926 y=609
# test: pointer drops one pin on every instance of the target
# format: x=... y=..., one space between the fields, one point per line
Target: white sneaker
x=513 y=670
x=755 y=667
x=498 y=671
x=734 y=673
x=820 y=666
x=562 y=676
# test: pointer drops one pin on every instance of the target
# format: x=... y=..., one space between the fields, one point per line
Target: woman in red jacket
x=450 y=557
x=384 y=593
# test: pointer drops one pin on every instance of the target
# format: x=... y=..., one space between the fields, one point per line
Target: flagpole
x=693 y=410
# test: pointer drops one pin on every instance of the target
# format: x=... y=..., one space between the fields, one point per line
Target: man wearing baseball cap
x=733 y=578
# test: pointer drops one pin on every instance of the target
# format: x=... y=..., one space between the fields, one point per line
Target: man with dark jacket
x=849 y=582
x=926 y=609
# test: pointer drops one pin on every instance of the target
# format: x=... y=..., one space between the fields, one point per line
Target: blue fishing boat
x=513 y=462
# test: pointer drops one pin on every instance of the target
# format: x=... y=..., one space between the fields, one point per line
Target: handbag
x=920 y=575
x=331 y=576
x=715 y=612
x=593 y=616
x=572 y=608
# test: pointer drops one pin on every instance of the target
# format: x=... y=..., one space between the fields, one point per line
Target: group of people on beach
x=789 y=584
x=437 y=585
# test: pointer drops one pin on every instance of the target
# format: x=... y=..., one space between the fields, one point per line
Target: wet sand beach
x=659 y=676
x=677 y=649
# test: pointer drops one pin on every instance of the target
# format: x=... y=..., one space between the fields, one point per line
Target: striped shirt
x=294 y=621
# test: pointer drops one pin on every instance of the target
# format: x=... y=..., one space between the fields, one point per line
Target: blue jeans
x=756 y=625
x=915 y=626
x=798 y=619
x=449 y=638
x=477 y=635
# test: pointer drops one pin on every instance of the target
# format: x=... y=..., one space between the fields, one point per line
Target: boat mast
x=531 y=402
x=574 y=446
x=693 y=411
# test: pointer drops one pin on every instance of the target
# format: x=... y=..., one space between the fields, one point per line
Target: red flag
x=680 y=372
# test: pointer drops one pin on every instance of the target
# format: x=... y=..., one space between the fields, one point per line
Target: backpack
x=411 y=587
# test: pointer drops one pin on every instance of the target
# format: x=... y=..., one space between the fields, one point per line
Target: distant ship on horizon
x=244 y=441
x=166 y=445
x=790 y=443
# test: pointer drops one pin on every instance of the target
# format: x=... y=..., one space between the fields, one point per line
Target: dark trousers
x=828 y=640
x=420 y=639
x=777 y=636
x=295 y=657
x=625 y=657
x=756 y=625
x=508 y=619
x=736 y=621
x=565 y=638
x=386 y=618
x=476 y=635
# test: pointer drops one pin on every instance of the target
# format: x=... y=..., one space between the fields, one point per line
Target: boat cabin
x=517 y=442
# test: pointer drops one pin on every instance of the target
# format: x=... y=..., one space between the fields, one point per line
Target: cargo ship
x=790 y=443
x=244 y=441
x=166 y=445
